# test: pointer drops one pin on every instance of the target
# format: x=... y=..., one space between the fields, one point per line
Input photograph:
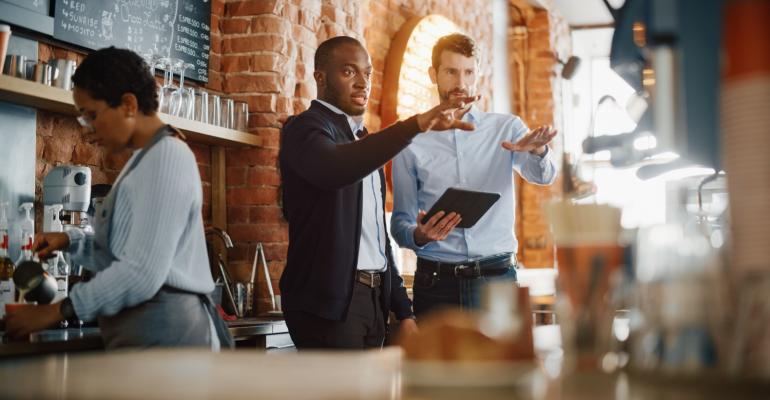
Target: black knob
x=80 y=178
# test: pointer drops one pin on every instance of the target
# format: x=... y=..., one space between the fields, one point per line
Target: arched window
x=406 y=87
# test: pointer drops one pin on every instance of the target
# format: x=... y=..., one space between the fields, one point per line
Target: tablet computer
x=471 y=205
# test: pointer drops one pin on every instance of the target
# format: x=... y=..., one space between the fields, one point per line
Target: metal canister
x=65 y=68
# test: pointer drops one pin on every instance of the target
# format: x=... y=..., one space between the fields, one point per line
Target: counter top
x=199 y=374
x=85 y=339
x=53 y=341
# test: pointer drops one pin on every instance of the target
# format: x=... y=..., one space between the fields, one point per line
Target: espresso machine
x=66 y=196
x=70 y=186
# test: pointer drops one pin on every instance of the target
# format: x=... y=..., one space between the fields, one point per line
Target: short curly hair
x=109 y=73
x=456 y=43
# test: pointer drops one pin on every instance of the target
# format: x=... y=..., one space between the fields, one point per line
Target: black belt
x=493 y=265
x=369 y=278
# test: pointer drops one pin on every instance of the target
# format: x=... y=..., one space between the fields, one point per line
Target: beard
x=446 y=95
x=336 y=99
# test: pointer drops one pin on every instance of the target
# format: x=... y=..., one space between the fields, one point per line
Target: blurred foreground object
x=501 y=331
x=745 y=102
x=589 y=258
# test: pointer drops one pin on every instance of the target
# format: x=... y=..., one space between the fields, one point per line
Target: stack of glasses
x=195 y=103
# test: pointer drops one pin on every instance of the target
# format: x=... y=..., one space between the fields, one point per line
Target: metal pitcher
x=65 y=68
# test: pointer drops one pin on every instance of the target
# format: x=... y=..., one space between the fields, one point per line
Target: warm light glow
x=639 y=34
x=416 y=93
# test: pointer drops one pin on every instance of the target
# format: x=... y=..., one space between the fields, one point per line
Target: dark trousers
x=438 y=291
x=363 y=328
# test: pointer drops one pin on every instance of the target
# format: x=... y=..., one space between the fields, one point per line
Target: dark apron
x=172 y=317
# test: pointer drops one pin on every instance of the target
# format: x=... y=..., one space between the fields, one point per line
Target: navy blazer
x=322 y=166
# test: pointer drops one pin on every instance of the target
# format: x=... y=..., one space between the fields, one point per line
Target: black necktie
x=361 y=133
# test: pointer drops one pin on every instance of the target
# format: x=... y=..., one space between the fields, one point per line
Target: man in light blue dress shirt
x=454 y=262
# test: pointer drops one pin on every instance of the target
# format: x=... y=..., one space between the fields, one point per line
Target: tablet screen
x=471 y=205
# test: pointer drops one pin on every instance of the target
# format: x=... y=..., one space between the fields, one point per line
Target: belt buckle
x=460 y=271
x=369 y=279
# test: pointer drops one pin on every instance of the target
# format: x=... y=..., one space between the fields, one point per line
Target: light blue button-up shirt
x=371 y=253
x=475 y=160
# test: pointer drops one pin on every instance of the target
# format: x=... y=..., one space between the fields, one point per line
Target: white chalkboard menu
x=169 y=28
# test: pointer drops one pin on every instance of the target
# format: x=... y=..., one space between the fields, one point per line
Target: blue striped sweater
x=157 y=236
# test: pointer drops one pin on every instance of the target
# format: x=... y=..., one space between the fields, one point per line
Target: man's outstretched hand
x=444 y=116
x=535 y=141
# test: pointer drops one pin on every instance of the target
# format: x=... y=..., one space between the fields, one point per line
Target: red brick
x=218 y=7
x=59 y=148
x=236 y=63
x=45 y=121
x=206 y=213
x=276 y=252
x=272 y=62
x=270 y=24
x=333 y=14
x=215 y=81
x=266 y=214
x=305 y=90
x=300 y=105
x=291 y=12
x=216 y=44
x=206 y=192
x=259 y=42
x=253 y=7
x=284 y=105
x=235 y=25
x=259 y=233
x=271 y=137
x=215 y=62
x=238 y=258
x=263 y=177
x=236 y=176
x=311 y=6
x=308 y=19
x=237 y=215
x=246 y=196
x=202 y=152
x=39 y=148
x=258 y=102
x=244 y=157
x=238 y=83
x=266 y=120
x=205 y=173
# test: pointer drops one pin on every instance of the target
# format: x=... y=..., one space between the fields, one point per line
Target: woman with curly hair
x=148 y=248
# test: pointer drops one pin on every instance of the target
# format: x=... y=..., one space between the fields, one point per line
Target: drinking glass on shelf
x=228 y=113
x=183 y=98
x=201 y=107
x=169 y=101
x=215 y=110
x=152 y=60
x=176 y=106
x=241 y=116
x=188 y=103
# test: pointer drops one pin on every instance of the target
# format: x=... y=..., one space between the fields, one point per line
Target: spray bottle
x=7 y=289
x=27 y=233
x=56 y=265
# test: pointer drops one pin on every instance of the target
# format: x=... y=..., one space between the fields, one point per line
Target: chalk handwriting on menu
x=169 y=28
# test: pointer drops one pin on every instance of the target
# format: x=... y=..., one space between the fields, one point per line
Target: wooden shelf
x=36 y=95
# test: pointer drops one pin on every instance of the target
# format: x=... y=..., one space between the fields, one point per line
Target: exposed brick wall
x=269 y=47
x=541 y=34
x=383 y=19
